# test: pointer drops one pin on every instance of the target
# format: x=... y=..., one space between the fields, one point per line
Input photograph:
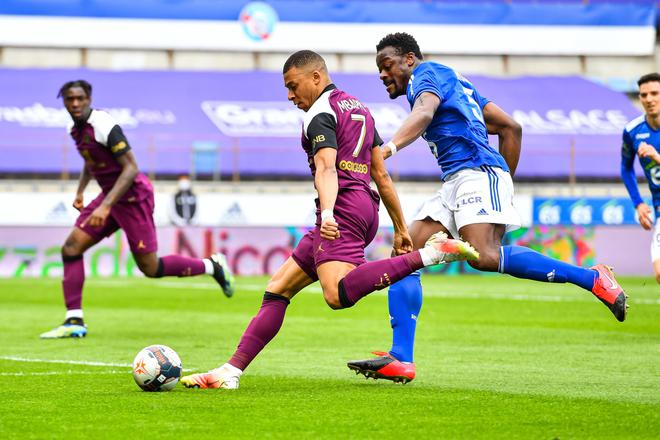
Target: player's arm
x=509 y=132
x=647 y=150
x=402 y=241
x=415 y=124
x=327 y=185
x=121 y=150
x=83 y=181
x=124 y=181
x=630 y=181
x=321 y=131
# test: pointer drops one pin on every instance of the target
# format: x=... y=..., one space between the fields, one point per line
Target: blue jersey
x=457 y=135
x=635 y=134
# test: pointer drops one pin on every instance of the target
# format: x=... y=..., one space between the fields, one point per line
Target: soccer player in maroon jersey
x=126 y=202
x=341 y=145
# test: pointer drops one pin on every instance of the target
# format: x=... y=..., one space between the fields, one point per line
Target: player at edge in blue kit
x=641 y=137
x=475 y=201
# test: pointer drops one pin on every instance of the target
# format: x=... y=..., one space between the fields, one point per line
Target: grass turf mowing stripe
x=435 y=294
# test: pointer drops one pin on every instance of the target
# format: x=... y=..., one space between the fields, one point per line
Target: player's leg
x=72 y=286
x=343 y=286
x=81 y=238
x=522 y=262
x=295 y=274
x=357 y=229
x=405 y=296
x=404 y=303
x=136 y=219
x=656 y=269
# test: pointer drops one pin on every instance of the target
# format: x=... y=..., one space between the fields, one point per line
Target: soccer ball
x=157 y=368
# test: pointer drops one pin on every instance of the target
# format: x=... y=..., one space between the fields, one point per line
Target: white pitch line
x=63 y=361
x=56 y=373
x=68 y=362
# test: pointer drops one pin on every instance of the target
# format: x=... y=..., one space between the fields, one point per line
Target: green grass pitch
x=496 y=358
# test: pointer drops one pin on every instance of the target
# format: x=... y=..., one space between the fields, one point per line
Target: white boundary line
x=57 y=373
x=64 y=361
x=70 y=362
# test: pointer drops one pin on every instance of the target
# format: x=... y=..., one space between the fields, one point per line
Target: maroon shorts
x=356 y=213
x=135 y=218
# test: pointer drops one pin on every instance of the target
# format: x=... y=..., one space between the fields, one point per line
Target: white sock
x=208 y=266
x=429 y=256
x=73 y=313
x=233 y=370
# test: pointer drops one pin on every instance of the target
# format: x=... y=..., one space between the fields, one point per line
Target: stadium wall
x=239 y=124
x=35 y=251
x=581 y=231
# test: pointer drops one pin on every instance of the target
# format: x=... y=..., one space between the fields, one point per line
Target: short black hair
x=402 y=42
x=87 y=87
x=303 y=58
x=655 y=76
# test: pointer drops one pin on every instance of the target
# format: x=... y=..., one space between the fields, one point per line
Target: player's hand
x=644 y=213
x=329 y=229
x=402 y=243
x=98 y=216
x=78 y=202
x=646 y=150
x=385 y=151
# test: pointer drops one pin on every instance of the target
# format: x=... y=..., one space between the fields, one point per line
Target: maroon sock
x=72 y=283
x=376 y=275
x=179 y=266
x=261 y=330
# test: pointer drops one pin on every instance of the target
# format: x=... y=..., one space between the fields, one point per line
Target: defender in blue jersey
x=641 y=137
x=475 y=201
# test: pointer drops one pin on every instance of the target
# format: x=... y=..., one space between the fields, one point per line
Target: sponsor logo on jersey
x=642 y=135
x=468 y=201
x=120 y=146
x=355 y=167
x=318 y=139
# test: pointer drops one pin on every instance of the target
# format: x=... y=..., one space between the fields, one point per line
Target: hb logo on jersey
x=317 y=139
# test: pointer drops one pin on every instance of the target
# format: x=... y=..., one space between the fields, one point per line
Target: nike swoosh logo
x=612 y=282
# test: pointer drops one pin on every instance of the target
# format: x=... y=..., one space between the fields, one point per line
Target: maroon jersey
x=100 y=141
x=340 y=121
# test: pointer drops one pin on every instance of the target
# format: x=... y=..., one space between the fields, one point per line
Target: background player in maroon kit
x=339 y=139
x=126 y=201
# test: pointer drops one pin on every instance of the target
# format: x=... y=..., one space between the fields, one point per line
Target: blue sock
x=405 y=302
x=522 y=262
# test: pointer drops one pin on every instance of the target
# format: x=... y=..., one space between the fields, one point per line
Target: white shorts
x=655 y=243
x=474 y=195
